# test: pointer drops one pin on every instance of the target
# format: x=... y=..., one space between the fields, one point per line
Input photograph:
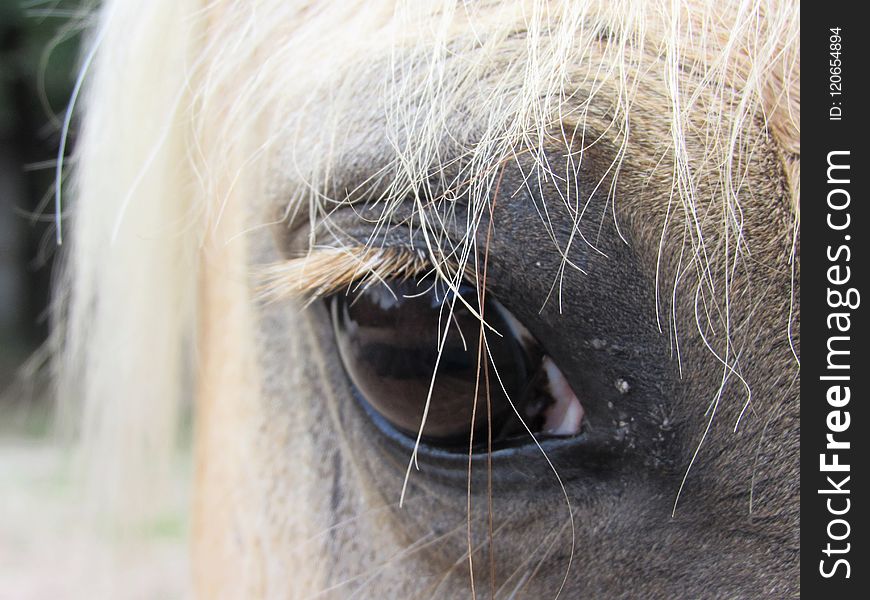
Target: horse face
x=648 y=250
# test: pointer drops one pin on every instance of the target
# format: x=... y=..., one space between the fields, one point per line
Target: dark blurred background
x=39 y=50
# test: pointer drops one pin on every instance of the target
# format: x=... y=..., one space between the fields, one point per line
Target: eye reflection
x=388 y=336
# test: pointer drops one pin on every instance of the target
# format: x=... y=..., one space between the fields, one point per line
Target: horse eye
x=388 y=336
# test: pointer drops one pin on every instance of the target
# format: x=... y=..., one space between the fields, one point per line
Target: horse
x=467 y=299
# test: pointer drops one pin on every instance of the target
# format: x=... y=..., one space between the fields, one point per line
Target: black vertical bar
x=834 y=239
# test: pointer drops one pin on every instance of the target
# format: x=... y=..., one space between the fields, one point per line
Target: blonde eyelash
x=327 y=270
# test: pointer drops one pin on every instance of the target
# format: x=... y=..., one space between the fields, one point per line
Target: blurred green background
x=39 y=49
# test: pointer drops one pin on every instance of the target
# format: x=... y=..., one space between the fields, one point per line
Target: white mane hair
x=187 y=101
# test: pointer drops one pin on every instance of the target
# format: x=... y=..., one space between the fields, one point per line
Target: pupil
x=388 y=337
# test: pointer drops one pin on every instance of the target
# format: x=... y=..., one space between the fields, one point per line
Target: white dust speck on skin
x=565 y=415
x=622 y=386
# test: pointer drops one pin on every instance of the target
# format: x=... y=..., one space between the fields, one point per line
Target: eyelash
x=326 y=271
